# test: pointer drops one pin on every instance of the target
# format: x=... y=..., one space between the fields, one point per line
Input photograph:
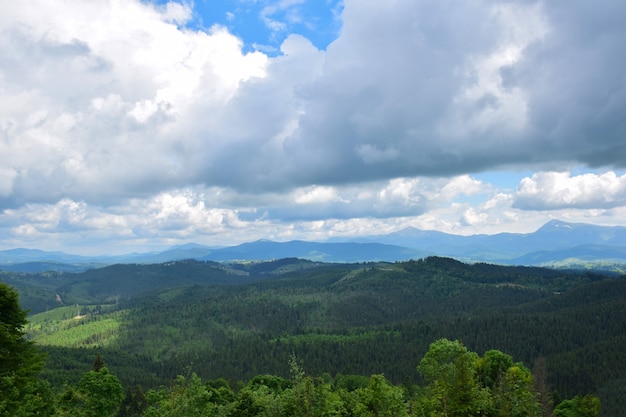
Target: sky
x=132 y=126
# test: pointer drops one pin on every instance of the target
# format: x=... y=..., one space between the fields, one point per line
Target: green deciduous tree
x=260 y=400
x=514 y=396
x=492 y=367
x=450 y=371
x=381 y=399
x=587 y=406
x=188 y=397
x=309 y=397
x=510 y=384
x=460 y=383
x=99 y=394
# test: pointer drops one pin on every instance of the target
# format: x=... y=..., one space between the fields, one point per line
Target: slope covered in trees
x=338 y=319
x=457 y=382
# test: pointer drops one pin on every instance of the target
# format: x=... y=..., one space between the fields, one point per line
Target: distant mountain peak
x=555 y=241
x=556 y=224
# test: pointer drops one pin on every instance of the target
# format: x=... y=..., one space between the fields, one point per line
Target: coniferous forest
x=431 y=337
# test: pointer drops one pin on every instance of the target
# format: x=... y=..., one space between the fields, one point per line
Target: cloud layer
x=118 y=120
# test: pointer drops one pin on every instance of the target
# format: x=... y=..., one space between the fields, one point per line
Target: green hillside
x=153 y=322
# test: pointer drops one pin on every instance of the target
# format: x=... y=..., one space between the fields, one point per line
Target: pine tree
x=21 y=391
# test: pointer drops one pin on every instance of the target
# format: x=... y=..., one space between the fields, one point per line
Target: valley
x=239 y=320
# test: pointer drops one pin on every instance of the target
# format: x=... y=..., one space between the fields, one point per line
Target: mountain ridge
x=554 y=243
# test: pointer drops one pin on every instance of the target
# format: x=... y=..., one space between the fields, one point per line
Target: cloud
x=399 y=197
x=290 y=10
x=98 y=92
x=108 y=109
x=432 y=88
x=556 y=190
x=201 y=213
x=7 y=176
x=573 y=84
x=407 y=89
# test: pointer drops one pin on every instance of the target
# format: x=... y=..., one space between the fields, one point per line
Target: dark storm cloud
x=574 y=80
x=430 y=88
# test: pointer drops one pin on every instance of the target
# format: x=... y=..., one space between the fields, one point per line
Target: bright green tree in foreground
x=453 y=389
x=99 y=394
x=103 y=393
x=460 y=383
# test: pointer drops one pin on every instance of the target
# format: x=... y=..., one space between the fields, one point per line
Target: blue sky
x=264 y=25
x=135 y=125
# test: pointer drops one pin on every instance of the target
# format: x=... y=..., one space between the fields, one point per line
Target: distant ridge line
x=553 y=244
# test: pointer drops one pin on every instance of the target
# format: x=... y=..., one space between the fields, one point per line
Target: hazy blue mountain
x=35 y=260
x=175 y=253
x=554 y=243
x=21 y=255
x=36 y=267
x=583 y=253
x=316 y=251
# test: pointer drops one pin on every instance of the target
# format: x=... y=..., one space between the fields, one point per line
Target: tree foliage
x=587 y=406
x=460 y=383
x=21 y=391
x=346 y=320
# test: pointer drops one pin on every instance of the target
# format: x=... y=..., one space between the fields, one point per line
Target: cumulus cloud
x=555 y=190
x=217 y=214
x=114 y=108
x=406 y=90
x=426 y=88
x=96 y=92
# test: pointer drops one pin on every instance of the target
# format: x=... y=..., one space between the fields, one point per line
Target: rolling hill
x=237 y=320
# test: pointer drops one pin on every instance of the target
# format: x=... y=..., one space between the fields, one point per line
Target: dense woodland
x=278 y=336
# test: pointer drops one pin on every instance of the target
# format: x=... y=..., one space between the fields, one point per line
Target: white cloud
x=556 y=190
x=406 y=90
x=283 y=6
x=117 y=120
x=94 y=106
x=498 y=200
x=317 y=195
x=463 y=185
x=179 y=13
x=217 y=216
x=472 y=217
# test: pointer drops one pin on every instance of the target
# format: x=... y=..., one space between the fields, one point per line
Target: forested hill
x=151 y=322
x=47 y=290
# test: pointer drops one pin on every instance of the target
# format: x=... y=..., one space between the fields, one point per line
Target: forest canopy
x=237 y=323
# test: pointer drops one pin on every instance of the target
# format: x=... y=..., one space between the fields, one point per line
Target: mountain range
x=557 y=243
